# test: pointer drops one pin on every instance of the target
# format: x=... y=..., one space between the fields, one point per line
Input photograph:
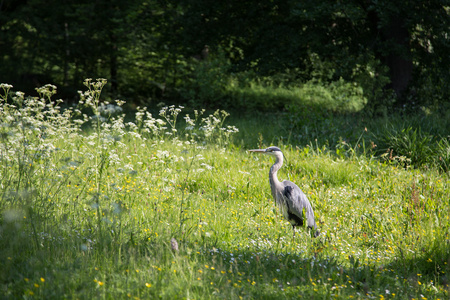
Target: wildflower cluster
x=46 y=145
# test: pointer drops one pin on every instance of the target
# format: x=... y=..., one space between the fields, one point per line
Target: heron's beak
x=257 y=150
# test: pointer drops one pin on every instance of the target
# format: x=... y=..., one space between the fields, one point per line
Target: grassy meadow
x=96 y=205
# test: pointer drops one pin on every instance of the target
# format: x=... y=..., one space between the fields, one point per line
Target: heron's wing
x=297 y=201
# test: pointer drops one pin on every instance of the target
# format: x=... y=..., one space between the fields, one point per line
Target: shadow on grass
x=202 y=269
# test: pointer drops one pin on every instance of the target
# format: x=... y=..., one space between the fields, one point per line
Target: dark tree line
x=147 y=49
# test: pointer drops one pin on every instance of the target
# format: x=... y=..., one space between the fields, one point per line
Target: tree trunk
x=113 y=64
x=398 y=57
x=67 y=54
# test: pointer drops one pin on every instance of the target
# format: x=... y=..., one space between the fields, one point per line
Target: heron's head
x=272 y=150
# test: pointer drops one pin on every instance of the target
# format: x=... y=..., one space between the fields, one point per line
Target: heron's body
x=289 y=198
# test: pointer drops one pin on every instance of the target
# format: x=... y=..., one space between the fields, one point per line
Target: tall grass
x=93 y=214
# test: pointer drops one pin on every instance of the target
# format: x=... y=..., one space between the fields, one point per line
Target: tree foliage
x=152 y=49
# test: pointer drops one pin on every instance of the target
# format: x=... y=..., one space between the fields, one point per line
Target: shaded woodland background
x=232 y=54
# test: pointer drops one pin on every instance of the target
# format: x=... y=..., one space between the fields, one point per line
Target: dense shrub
x=412 y=144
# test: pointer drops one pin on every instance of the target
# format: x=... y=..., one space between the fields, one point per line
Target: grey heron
x=287 y=195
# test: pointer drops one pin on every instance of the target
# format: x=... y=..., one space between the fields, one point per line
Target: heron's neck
x=273 y=178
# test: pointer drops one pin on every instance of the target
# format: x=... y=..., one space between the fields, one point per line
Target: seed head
x=174 y=244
